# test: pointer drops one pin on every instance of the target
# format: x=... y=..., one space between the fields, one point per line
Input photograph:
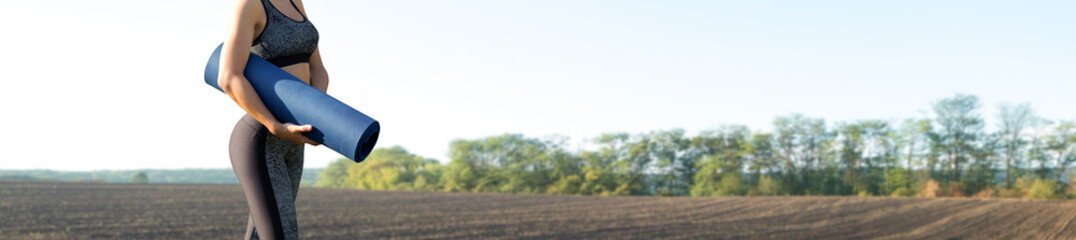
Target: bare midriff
x=299 y=70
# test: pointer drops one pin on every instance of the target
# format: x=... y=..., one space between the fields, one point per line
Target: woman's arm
x=319 y=78
x=233 y=60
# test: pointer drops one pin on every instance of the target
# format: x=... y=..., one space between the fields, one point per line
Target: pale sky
x=118 y=84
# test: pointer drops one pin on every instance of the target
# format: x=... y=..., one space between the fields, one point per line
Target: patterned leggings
x=269 y=169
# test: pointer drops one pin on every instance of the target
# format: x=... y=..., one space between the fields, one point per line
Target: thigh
x=247 y=152
x=276 y=162
x=291 y=155
x=295 y=167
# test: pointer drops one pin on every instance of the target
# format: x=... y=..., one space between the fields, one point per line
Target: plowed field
x=65 y=210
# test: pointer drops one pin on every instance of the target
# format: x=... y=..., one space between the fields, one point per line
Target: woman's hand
x=293 y=133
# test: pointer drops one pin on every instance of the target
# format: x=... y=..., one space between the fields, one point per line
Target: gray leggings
x=269 y=169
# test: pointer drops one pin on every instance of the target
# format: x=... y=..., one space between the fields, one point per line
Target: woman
x=267 y=155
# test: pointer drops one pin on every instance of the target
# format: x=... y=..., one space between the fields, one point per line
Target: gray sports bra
x=285 y=41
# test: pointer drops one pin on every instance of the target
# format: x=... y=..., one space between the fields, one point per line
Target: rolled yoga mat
x=336 y=125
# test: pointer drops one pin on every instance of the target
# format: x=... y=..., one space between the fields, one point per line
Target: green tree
x=851 y=154
x=335 y=175
x=720 y=173
x=1012 y=119
x=897 y=183
x=867 y=152
x=981 y=171
x=392 y=168
x=879 y=152
x=561 y=166
x=959 y=124
x=376 y=174
x=595 y=176
x=459 y=176
x=914 y=136
x=802 y=143
x=140 y=177
x=787 y=149
x=768 y=186
x=761 y=156
x=630 y=159
x=1045 y=189
x=1038 y=148
x=674 y=170
x=429 y=176
x=1059 y=144
x=505 y=163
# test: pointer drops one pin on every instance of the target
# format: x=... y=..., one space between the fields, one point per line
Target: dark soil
x=69 y=210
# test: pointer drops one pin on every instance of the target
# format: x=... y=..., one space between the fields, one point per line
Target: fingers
x=300 y=129
x=298 y=138
x=308 y=141
x=295 y=134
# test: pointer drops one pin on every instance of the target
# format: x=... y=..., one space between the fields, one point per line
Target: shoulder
x=249 y=9
x=245 y=4
x=248 y=6
x=299 y=4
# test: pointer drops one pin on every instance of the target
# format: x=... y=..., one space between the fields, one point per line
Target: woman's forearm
x=240 y=90
x=319 y=78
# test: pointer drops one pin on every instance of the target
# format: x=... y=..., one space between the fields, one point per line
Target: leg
x=247 y=150
x=250 y=228
x=295 y=172
x=294 y=158
x=279 y=157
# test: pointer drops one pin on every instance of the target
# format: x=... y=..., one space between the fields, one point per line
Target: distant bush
x=140 y=177
x=731 y=185
x=934 y=189
x=902 y=192
x=1012 y=193
x=566 y=185
x=955 y=189
x=986 y=193
x=392 y=168
x=1045 y=189
x=335 y=176
x=930 y=189
x=1071 y=189
x=898 y=183
x=767 y=186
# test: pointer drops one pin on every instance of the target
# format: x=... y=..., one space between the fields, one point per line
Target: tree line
x=947 y=154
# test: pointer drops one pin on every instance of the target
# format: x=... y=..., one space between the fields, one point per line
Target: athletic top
x=285 y=41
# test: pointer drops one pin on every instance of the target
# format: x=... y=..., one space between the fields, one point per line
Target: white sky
x=118 y=84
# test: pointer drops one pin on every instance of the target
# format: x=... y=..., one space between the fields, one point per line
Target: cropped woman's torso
x=286 y=38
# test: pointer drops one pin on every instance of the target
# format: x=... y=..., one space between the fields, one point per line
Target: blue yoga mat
x=336 y=125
